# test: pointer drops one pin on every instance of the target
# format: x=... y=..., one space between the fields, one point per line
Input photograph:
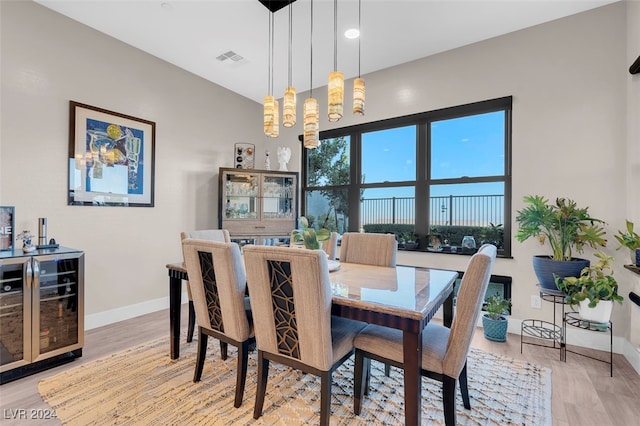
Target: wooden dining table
x=402 y=297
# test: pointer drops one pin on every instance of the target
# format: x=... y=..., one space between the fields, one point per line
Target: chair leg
x=464 y=389
x=449 y=400
x=387 y=370
x=359 y=377
x=223 y=350
x=367 y=369
x=243 y=356
x=325 y=398
x=192 y=322
x=263 y=374
x=200 y=356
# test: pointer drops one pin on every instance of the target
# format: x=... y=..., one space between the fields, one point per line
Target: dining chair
x=218 y=285
x=221 y=235
x=291 y=294
x=329 y=246
x=369 y=249
x=444 y=350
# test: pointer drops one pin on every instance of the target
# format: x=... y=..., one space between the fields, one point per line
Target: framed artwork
x=111 y=158
x=244 y=155
x=7 y=224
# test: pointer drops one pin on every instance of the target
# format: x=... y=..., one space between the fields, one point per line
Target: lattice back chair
x=291 y=294
x=444 y=350
x=329 y=246
x=221 y=235
x=369 y=249
x=218 y=285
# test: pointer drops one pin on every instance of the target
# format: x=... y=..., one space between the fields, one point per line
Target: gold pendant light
x=335 y=94
x=289 y=98
x=358 y=84
x=270 y=113
x=311 y=113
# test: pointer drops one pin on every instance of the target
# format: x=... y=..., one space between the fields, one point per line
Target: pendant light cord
x=335 y=35
x=359 y=29
x=290 y=42
x=311 y=49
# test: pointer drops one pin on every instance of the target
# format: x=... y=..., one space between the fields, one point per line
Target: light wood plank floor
x=583 y=392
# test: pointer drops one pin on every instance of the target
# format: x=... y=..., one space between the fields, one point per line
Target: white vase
x=601 y=313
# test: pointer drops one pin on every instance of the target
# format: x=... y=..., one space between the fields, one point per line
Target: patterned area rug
x=142 y=386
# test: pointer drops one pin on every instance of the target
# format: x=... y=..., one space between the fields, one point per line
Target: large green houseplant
x=566 y=227
x=595 y=288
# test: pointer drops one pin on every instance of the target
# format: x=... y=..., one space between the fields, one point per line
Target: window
x=436 y=176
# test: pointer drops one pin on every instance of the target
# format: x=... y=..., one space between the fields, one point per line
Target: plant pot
x=545 y=268
x=495 y=329
x=638 y=257
x=601 y=313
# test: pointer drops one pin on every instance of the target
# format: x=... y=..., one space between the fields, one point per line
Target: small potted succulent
x=594 y=291
x=631 y=240
x=494 y=321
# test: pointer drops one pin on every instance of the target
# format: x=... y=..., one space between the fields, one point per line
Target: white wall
x=572 y=103
x=48 y=60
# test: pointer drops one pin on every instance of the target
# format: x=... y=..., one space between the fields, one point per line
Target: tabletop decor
x=27 y=245
x=111 y=158
x=309 y=236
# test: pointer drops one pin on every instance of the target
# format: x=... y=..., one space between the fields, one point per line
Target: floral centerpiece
x=309 y=236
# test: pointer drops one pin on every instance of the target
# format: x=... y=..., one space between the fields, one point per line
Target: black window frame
x=422 y=121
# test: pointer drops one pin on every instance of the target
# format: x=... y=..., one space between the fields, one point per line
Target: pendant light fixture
x=311 y=113
x=289 y=98
x=358 y=83
x=271 y=107
x=336 y=78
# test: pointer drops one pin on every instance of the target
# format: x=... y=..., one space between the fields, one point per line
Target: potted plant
x=566 y=228
x=26 y=237
x=309 y=236
x=630 y=240
x=494 y=321
x=594 y=291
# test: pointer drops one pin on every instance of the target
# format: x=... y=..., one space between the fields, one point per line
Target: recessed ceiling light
x=352 y=33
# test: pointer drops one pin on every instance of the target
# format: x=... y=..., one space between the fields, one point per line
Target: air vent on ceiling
x=230 y=55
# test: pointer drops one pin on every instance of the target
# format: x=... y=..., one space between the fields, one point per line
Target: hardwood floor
x=583 y=392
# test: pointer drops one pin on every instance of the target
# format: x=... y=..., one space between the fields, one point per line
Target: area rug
x=143 y=386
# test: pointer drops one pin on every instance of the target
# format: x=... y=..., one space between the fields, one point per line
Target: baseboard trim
x=127 y=312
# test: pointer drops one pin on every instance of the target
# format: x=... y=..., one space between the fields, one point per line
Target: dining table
x=401 y=297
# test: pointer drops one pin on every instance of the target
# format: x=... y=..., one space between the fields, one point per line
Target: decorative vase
x=27 y=247
x=495 y=329
x=638 y=257
x=545 y=269
x=601 y=313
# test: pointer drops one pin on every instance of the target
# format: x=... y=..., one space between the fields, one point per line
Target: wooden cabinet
x=41 y=310
x=257 y=203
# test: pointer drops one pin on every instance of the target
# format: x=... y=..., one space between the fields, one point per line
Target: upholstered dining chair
x=291 y=294
x=444 y=350
x=218 y=285
x=369 y=249
x=221 y=235
x=329 y=246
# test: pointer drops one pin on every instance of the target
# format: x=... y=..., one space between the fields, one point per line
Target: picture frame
x=111 y=158
x=7 y=228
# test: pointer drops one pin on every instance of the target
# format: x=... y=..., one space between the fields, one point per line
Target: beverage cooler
x=41 y=310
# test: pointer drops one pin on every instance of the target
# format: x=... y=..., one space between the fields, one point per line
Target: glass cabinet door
x=241 y=192
x=277 y=197
x=58 y=321
x=15 y=306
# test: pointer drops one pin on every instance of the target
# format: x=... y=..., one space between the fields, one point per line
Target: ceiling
x=193 y=34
